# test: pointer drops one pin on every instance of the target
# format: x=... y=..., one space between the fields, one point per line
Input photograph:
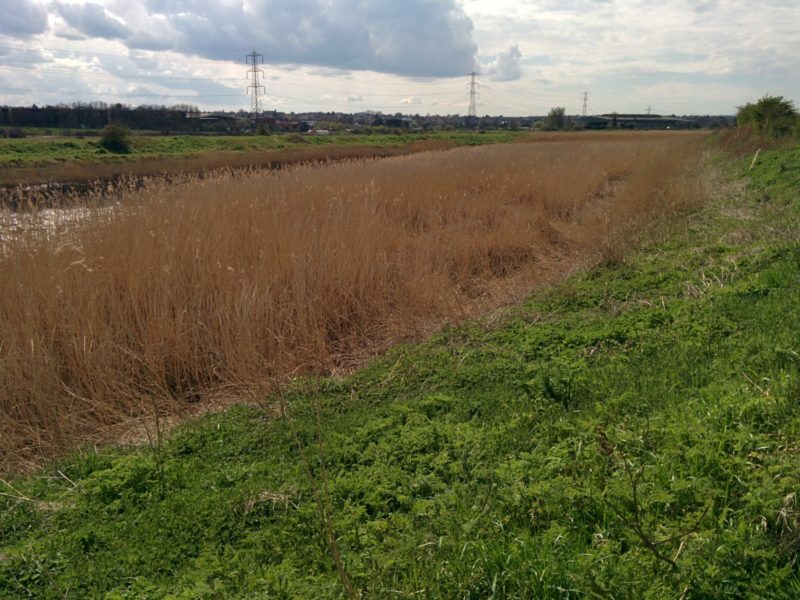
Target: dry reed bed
x=11 y=175
x=240 y=281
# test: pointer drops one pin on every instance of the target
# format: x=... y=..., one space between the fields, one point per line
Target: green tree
x=556 y=118
x=116 y=138
x=772 y=115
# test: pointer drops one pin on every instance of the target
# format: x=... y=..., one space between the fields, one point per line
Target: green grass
x=641 y=414
x=42 y=151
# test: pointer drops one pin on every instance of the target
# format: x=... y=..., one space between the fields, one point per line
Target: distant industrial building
x=633 y=121
x=211 y=116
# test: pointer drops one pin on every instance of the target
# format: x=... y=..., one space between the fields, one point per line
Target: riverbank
x=629 y=433
x=39 y=160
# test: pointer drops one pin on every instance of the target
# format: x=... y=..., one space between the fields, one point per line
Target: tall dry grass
x=235 y=282
x=26 y=175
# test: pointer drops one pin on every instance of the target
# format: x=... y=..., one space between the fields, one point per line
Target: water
x=18 y=227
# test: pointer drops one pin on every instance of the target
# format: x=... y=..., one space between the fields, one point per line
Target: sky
x=409 y=56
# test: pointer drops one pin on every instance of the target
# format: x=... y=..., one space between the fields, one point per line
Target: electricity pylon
x=255 y=89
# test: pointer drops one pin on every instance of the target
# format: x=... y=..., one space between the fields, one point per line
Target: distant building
x=211 y=116
x=634 y=121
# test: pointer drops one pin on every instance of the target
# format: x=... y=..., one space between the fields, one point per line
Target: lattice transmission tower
x=585 y=103
x=472 y=110
x=255 y=89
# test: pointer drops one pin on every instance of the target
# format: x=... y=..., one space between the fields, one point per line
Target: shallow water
x=19 y=227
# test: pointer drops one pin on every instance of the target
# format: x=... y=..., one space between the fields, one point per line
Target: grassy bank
x=631 y=433
x=68 y=159
x=38 y=160
x=44 y=150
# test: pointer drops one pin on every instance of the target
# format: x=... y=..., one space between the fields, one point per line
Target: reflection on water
x=16 y=227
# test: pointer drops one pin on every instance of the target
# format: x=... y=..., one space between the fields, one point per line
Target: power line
x=446 y=81
x=497 y=93
x=147 y=77
x=132 y=95
x=196 y=96
x=452 y=94
x=50 y=50
x=406 y=85
x=328 y=103
x=403 y=88
x=255 y=88
x=517 y=95
x=115 y=75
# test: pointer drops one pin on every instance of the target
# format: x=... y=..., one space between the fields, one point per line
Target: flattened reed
x=238 y=281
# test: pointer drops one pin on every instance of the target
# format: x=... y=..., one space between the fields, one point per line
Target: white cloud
x=678 y=56
x=506 y=66
x=22 y=18
x=430 y=38
x=616 y=49
x=92 y=20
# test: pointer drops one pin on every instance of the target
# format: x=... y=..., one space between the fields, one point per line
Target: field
x=44 y=159
x=629 y=431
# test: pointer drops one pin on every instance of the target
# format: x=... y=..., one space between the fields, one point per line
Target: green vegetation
x=556 y=118
x=772 y=115
x=49 y=150
x=632 y=433
x=14 y=133
x=116 y=138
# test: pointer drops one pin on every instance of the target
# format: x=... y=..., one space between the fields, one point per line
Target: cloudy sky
x=410 y=56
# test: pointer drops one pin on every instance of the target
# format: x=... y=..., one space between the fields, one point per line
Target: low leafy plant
x=116 y=138
x=771 y=115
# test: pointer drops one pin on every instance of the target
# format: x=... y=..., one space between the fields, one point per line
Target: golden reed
x=234 y=282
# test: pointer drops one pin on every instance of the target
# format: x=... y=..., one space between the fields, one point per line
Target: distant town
x=76 y=118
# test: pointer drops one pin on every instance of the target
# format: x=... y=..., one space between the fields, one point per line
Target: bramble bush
x=116 y=138
x=772 y=115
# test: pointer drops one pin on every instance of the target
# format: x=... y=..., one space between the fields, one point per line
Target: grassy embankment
x=62 y=159
x=42 y=159
x=40 y=150
x=631 y=433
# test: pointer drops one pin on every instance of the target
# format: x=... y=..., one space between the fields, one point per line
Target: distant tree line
x=96 y=115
